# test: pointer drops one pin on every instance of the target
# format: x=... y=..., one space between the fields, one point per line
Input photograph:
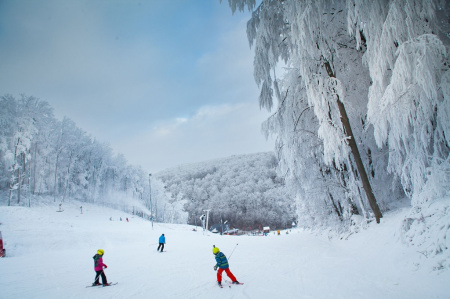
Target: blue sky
x=163 y=82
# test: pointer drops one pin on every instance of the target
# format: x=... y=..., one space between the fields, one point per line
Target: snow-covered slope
x=49 y=255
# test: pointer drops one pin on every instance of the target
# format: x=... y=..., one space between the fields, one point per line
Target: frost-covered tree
x=352 y=62
x=409 y=101
x=22 y=127
x=308 y=37
x=42 y=156
x=41 y=144
x=7 y=128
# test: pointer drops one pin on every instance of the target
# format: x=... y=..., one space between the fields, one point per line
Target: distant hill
x=244 y=190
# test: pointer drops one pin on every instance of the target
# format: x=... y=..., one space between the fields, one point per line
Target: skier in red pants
x=222 y=264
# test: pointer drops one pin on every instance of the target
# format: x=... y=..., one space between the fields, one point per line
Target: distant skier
x=98 y=267
x=222 y=264
x=162 y=241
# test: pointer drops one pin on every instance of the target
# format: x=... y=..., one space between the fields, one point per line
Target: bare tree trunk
x=359 y=164
x=354 y=149
x=34 y=170
x=56 y=173
x=67 y=176
x=336 y=209
x=10 y=196
x=29 y=188
x=18 y=186
x=361 y=203
x=13 y=177
x=164 y=213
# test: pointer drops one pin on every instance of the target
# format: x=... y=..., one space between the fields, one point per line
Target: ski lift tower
x=207 y=217
x=203 y=218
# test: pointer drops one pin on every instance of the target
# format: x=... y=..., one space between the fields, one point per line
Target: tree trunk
x=34 y=170
x=359 y=164
x=361 y=203
x=67 y=176
x=10 y=196
x=354 y=149
x=29 y=187
x=18 y=185
x=56 y=172
x=338 y=211
x=13 y=178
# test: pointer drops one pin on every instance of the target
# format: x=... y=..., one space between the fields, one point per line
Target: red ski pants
x=227 y=270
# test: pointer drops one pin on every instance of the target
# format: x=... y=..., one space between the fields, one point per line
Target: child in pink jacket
x=98 y=267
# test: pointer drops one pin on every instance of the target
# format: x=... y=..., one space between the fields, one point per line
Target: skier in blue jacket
x=162 y=241
x=222 y=265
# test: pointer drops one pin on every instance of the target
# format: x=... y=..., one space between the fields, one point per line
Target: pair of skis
x=103 y=285
x=239 y=283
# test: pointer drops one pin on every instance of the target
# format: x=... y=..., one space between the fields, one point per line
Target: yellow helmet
x=216 y=250
x=100 y=251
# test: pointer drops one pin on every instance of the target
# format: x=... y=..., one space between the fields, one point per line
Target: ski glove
x=215 y=267
x=105 y=266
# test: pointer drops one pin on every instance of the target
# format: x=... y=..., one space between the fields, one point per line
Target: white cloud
x=212 y=132
x=169 y=127
x=213 y=112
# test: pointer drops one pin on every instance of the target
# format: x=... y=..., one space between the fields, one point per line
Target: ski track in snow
x=49 y=255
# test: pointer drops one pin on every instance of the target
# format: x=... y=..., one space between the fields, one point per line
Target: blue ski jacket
x=162 y=239
x=222 y=261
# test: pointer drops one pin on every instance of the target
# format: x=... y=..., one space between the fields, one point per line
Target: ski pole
x=97 y=277
x=233 y=251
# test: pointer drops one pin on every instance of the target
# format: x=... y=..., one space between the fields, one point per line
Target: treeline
x=243 y=190
x=43 y=156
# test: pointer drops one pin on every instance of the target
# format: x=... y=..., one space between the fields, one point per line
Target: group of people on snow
x=220 y=266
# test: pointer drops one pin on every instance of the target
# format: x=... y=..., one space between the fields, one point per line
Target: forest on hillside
x=245 y=191
x=43 y=156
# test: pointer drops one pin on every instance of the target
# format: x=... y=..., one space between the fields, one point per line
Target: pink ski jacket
x=98 y=262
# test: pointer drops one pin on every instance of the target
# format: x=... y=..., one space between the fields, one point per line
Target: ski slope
x=49 y=255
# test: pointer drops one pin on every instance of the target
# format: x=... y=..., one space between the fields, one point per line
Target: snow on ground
x=49 y=255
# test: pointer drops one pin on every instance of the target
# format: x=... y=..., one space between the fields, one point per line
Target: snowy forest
x=243 y=190
x=43 y=156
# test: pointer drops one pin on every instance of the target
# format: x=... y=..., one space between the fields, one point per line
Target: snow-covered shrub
x=428 y=229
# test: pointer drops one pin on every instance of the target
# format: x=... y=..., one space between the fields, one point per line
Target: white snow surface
x=49 y=255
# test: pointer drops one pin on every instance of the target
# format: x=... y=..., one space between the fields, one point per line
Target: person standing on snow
x=162 y=241
x=98 y=267
x=222 y=264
